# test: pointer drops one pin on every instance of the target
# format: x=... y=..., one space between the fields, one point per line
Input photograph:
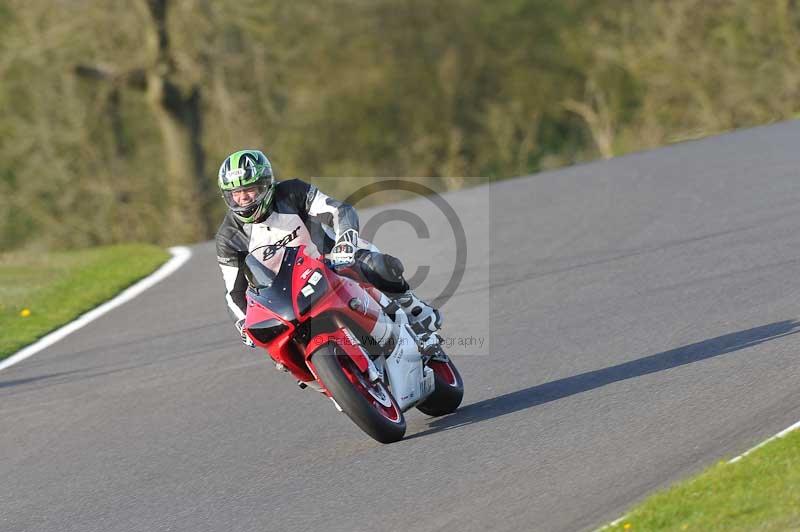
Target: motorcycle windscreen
x=270 y=278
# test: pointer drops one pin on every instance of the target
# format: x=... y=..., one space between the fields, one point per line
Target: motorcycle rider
x=265 y=212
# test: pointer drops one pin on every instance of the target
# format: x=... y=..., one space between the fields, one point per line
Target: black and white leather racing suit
x=301 y=214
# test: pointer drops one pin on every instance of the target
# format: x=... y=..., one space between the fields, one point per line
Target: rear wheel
x=369 y=405
x=448 y=391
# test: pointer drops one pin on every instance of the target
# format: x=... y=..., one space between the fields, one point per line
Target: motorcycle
x=340 y=335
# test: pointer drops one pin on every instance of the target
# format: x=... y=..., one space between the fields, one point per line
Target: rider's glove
x=245 y=338
x=344 y=251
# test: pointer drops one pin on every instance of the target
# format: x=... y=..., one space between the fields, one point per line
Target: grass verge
x=39 y=292
x=759 y=492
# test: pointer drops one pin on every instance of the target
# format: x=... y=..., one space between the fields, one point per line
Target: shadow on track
x=558 y=389
x=17 y=382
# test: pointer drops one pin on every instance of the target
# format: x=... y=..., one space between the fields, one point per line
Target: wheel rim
x=444 y=372
x=376 y=394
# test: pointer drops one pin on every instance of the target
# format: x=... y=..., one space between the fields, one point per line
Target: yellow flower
x=25 y=313
x=627 y=526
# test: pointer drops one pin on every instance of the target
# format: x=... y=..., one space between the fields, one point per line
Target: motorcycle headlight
x=267 y=330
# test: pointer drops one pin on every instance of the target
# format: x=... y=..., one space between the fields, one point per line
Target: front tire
x=448 y=391
x=369 y=405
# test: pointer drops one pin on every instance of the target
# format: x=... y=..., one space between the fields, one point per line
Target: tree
x=176 y=108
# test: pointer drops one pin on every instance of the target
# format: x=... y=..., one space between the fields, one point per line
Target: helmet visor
x=245 y=200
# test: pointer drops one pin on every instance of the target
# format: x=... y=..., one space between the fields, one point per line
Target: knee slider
x=394 y=268
x=388 y=267
x=383 y=271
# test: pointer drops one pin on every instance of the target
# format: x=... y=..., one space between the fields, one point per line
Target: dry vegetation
x=114 y=114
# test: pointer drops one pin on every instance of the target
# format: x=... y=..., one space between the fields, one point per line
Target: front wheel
x=369 y=405
x=448 y=390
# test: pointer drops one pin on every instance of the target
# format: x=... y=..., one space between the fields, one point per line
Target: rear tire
x=380 y=418
x=448 y=391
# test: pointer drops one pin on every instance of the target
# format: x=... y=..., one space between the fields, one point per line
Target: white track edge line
x=612 y=523
x=781 y=434
x=180 y=255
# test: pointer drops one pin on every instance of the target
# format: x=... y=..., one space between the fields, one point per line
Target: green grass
x=57 y=287
x=760 y=492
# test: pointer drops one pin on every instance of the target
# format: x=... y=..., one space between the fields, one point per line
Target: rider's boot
x=386 y=274
x=422 y=317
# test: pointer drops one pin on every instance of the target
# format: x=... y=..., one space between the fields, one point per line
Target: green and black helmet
x=247 y=184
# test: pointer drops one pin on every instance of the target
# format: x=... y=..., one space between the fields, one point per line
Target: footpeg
x=430 y=343
x=314 y=385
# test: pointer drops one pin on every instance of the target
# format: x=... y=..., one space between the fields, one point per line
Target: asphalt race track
x=640 y=320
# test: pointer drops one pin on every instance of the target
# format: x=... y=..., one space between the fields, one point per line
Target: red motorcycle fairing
x=317 y=325
x=280 y=348
x=346 y=341
x=305 y=306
